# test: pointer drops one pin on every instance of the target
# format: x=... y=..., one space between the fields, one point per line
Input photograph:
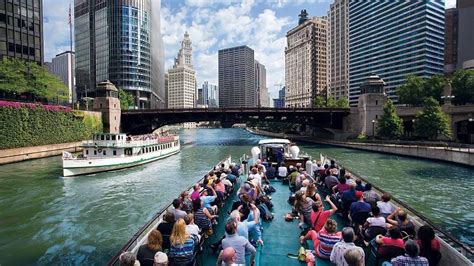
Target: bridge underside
x=146 y=121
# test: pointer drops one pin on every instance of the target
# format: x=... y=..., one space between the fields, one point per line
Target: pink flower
x=17 y=105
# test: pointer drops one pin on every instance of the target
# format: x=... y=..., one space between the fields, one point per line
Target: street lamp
x=373 y=128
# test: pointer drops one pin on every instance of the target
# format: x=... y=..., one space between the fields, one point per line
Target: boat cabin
x=279 y=151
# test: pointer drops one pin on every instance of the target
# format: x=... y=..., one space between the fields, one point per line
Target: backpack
x=266 y=200
x=265 y=213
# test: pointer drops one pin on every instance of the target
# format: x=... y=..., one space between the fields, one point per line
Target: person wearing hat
x=360 y=205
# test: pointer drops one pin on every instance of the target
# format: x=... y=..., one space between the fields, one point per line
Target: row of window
x=159 y=147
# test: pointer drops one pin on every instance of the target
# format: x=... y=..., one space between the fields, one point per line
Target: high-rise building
x=236 y=77
x=21 y=30
x=280 y=101
x=261 y=99
x=394 y=39
x=465 y=54
x=114 y=41
x=63 y=68
x=450 y=40
x=306 y=61
x=208 y=95
x=182 y=78
x=338 y=50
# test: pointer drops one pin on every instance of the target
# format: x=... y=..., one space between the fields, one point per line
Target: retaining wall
x=28 y=153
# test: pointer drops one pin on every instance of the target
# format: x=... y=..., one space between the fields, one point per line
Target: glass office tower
x=394 y=39
x=114 y=40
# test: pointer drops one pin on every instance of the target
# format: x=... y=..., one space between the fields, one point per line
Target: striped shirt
x=326 y=243
x=201 y=220
x=183 y=251
x=406 y=260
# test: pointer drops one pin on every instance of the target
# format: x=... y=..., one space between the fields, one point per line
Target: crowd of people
x=373 y=226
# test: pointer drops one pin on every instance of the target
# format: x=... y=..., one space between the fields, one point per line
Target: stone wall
x=28 y=153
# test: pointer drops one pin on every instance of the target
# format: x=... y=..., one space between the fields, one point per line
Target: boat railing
x=464 y=249
x=143 y=232
x=123 y=144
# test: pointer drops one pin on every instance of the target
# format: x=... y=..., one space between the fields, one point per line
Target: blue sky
x=212 y=25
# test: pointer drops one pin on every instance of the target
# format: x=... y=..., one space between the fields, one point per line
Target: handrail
x=404 y=205
x=140 y=231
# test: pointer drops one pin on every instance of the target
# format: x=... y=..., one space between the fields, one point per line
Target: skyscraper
x=209 y=95
x=338 y=49
x=237 y=77
x=21 y=30
x=306 y=61
x=63 y=67
x=465 y=41
x=394 y=39
x=261 y=99
x=182 y=78
x=113 y=41
x=280 y=101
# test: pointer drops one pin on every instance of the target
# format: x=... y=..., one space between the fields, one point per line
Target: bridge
x=146 y=121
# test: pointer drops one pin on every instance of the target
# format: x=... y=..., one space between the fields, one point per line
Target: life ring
x=99 y=150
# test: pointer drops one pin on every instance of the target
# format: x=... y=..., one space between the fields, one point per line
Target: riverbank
x=461 y=156
x=36 y=152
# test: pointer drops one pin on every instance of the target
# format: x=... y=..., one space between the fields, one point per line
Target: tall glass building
x=394 y=39
x=113 y=41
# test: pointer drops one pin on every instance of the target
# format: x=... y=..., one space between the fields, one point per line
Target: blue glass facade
x=394 y=39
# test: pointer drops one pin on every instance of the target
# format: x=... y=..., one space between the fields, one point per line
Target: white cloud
x=56 y=28
x=450 y=3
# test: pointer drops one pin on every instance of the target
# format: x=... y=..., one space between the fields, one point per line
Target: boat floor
x=280 y=237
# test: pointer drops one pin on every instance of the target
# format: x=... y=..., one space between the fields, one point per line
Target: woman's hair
x=425 y=234
x=184 y=194
x=394 y=232
x=386 y=197
x=402 y=216
x=178 y=235
x=375 y=211
x=196 y=204
x=298 y=199
x=310 y=190
x=168 y=217
x=155 y=240
x=342 y=180
x=368 y=186
x=316 y=205
x=331 y=226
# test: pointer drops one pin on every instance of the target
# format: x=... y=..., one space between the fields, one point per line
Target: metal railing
x=143 y=231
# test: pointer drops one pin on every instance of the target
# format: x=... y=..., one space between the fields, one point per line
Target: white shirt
x=385 y=207
x=338 y=251
x=376 y=221
x=193 y=229
x=309 y=167
x=258 y=177
x=282 y=171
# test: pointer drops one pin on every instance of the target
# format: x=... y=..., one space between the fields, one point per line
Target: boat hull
x=75 y=167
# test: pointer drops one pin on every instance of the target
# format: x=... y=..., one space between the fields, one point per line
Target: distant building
x=63 y=67
x=208 y=95
x=261 y=85
x=450 y=40
x=306 y=61
x=280 y=101
x=182 y=78
x=21 y=30
x=394 y=39
x=465 y=54
x=236 y=77
x=338 y=50
x=120 y=41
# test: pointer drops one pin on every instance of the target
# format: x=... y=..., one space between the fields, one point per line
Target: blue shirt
x=359 y=206
x=207 y=200
x=241 y=246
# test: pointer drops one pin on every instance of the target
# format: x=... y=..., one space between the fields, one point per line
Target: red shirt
x=393 y=242
x=323 y=217
x=434 y=244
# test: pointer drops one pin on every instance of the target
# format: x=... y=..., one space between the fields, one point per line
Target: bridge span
x=145 y=121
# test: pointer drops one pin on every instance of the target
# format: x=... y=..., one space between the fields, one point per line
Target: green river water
x=46 y=219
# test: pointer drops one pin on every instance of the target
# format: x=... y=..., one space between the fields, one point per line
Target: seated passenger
x=400 y=218
x=196 y=192
x=182 y=245
x=311 y=192
x=219 y=188
x=349 y=180
x=353 y=258
x=331 y=180
x=429 y=245
x=186 y=202
x=165 y=228
x=340 y=248
x=370 y=196
x=324 y=240
x=128 y=259
x=227 y=257
x=386 y=208
x=359 y=186
x=191 y=227
x=271 y=171
x=241 y=245
x=282 y=171
x=207 y=200
x=360 y=207
x=348 y=197
x=161 y=259
x=248 y=226
x=374 y=225
x=341 y=186
x=411 y=256
x=176 y=211
x=319 y=216
x=146 y=253
x=304 y=207
x=394 y=238
x=202 y=216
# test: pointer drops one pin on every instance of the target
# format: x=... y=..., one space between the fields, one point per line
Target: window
x=95 y=152
x=115 y=152
x=87 y=152
x=104 y=153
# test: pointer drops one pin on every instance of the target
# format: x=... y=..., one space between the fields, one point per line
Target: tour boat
x=278 y=151
x=106 y=152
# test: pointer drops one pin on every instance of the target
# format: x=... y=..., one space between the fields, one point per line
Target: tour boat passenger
x=282 y=171
x=353 y=258
x=340 y=248
x=411 y=256
x=429 y=245
x=386 y=208
x=406 y=226
x=360 y=206
x=176 y=211
x=394 y=238
x=370 y=196
x=196 y=192
x=208 y=200
x=146 y=253
x=341 y=187
x=183 y=245
x=324 y=240
x=373 y=223
x=128 y=259
x=319 y=216
x=228 y=257
x=165 y=228
x=186 y=202
x=303 y=205
x=202 y=216
x=331 y=180
x=311 y=192
x=359 y=186
x=241 y=245
x=191 y=227
x=161 y=259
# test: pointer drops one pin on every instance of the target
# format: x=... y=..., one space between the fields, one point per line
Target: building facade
x=63 y=67
x=465 y=51
x=21 y=30
x=450 y=40
x=280 y=101
x=306 y=61
x=236 y=77
x=338 y=49
x=393 y=40
x=208 y=95
x=182 y=78
x=113 y=41
x=261 y=85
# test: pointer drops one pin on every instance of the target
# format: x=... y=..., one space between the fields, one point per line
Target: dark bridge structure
x=146 y=121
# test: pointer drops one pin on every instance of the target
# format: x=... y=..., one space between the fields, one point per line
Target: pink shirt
x=195 y=195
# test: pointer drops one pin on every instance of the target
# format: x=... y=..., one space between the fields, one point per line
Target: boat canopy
x=273 y=141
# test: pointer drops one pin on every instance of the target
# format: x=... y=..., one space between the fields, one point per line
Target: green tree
x=412 y=91
x=320 y=102
x=390 y=125
x=342 y=103
x=12 y=76
x=432 y=121
x=434 y=86
x=126 y=99
x=463 y=86
x=330 y=102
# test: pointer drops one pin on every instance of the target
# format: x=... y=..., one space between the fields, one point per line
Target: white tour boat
x=278 y=151
x=106 y=152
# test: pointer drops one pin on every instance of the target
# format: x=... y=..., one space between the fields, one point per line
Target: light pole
x=373 y=128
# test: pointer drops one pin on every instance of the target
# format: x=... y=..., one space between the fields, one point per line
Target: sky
x=212 y=25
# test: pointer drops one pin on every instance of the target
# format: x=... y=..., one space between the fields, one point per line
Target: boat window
x=107 y=137
x=102 y=137
x=115 y=152
x=95 y=152
x=104 y=153
x=87 y=152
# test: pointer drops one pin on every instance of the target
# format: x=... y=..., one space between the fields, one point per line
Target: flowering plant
x=17 y=105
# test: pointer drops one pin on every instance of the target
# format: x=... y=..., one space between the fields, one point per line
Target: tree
x=390 y=125
x=434 y=86
x=342 y=103
x=126 y=99
x=432 y=121
x=319 y=102
x=463 y=86
x=417 y=89
x=12 y=76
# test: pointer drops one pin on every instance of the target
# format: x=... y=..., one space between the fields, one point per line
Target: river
x=47 y=219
